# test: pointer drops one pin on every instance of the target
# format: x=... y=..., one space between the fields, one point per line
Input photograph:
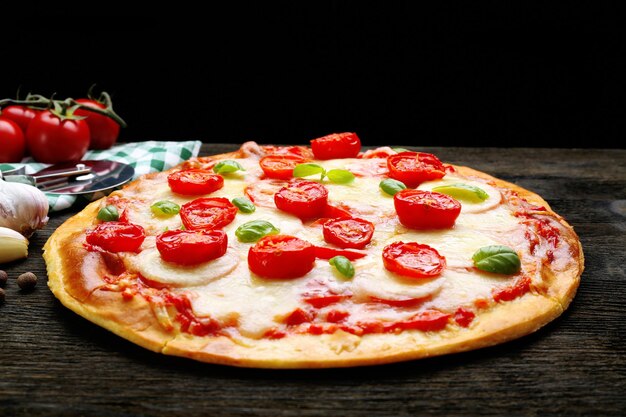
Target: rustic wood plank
x=55 y=363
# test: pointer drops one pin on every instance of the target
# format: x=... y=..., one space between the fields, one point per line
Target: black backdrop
x=494 y=74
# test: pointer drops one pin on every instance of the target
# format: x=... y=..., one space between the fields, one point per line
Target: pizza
x=324 y=255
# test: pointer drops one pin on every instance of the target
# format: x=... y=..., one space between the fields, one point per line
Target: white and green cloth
x=145 y=157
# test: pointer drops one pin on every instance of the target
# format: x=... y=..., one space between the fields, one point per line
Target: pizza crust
x=135 y=320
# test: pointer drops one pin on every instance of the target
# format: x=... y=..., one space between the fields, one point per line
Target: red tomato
x=413 y=168
x=413 y=260
x=12 y=143
x=427 y=320
x=104 y=130
x=207 y=213
x=281 y=256
x=305 y=199
x=336 y=145
x=280 y=167
x=117 y=236
x=419 y=209
x=22 y=115
x=190 y=247
x=194 y=182
x=348 y=233
x=52 y=140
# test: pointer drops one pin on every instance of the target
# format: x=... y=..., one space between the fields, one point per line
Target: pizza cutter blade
x=100 y=175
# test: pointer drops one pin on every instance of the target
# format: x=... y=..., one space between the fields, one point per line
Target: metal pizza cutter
x=72 y=178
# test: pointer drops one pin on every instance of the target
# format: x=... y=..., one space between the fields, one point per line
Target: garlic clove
x=13 y=245
x=23 y=208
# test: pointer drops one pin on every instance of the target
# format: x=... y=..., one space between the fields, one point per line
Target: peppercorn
x=2 y=296
x=3 y=277
x=27 y=281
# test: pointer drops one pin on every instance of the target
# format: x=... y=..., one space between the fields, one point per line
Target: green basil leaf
x=340 y=176
x=498 y=259
x=343 y=265
x=227 y=166
x=400 y=150
x=465 y=192
x=305 y=170
x=254 y=230
x=391 y=186
x=244 y=205
x=108 y=214
x=165 y=208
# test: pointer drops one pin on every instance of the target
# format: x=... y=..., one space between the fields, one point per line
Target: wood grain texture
x=55 y=363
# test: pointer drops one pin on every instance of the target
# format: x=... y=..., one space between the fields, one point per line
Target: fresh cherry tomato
x=191 y=247
x=117 y=236
x=22 y=115
x=281 y=256
x=194 y=182
x=280 y=167
x=336 y=145
x=207 y=213
x=305 y=199
x=12 y=143
x=348 y=233
x=413 y=260
x=104 y=130
x=413 y=168
x=419 y=209
x=52 y=139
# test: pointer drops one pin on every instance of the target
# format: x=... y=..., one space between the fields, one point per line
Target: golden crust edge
x=492 y=328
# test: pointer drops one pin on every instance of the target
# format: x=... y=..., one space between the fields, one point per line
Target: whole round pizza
x=316 y=256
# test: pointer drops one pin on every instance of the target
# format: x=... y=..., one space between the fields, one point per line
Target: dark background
x=494 y=74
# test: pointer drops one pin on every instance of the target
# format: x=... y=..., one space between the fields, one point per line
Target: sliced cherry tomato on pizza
x=207 y=213
x=117 y=236
x=323 y=252
x=419 y=209
x=191 y=247
x=304 y=199
x=194 y=182
x=348 y=233
x=336 y=145
x=413 y=260
x=281 y=257
x=413 y=168
x=280 y=167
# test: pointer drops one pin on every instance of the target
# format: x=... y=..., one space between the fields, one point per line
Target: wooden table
x=53 y=362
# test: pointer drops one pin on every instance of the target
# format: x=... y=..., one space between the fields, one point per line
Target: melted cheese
x=225 y=288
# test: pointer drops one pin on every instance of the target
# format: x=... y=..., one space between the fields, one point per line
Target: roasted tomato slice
x=413 y=168
x=281 y=256
x=348 y=233
x=117 y=236
x=413 y=260
x=336 y=145
x=190 y=247
x=207 y=213
x=419 y=209
x=280 y=167
x=305 y=199
x=194 y=182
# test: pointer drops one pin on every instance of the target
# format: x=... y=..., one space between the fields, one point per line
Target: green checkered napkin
x=145 y=157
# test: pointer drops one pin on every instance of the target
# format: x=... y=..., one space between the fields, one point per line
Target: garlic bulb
x=23 y=208
x=13 y=245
